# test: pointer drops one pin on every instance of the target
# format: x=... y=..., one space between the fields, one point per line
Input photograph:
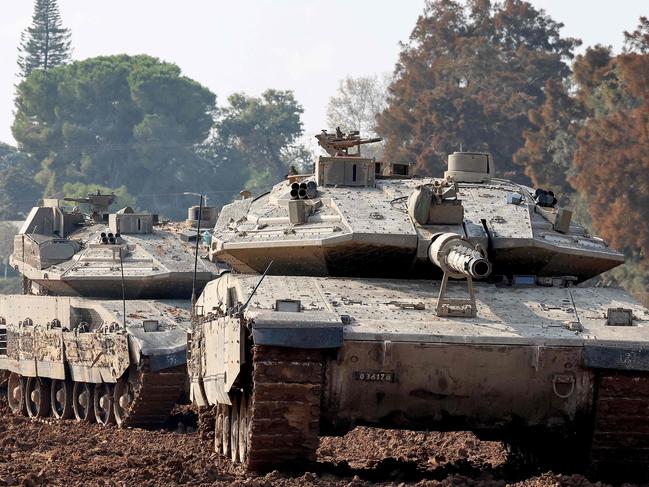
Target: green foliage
x=18 y=190
x=468 y=77
x=45 y=44
x=114 y=121
x=81 y=190
x=11 y=285
x=262 y=133
x=7 y=232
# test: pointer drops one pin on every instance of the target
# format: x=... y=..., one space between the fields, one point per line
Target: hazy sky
x=250 y=45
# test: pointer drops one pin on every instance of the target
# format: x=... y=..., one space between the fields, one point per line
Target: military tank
x=65 y=251
x=120 y=362
x=361 y=295
x=100 y=333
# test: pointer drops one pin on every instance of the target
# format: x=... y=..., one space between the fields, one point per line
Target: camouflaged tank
x=64 y=251
x=454 y=303
x=82 y=342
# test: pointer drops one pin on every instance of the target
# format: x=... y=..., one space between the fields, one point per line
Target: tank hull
x=433 y=386
x=535 y=362
x=66 y=355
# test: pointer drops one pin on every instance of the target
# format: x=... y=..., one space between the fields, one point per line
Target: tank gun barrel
x=454 y=254
x=77 y=200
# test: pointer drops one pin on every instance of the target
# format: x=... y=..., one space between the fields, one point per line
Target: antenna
x=198 y=238
x=256 y=287
x=121 y=266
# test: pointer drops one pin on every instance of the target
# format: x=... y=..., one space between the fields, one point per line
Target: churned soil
x=48 y=452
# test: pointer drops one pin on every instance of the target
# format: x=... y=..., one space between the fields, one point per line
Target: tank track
x=620 y=441
x=155 y=394
x=285 y=408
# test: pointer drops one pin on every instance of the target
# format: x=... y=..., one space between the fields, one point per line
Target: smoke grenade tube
x=311 y=189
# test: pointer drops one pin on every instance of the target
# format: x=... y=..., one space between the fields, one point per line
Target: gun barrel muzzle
x=454 y=254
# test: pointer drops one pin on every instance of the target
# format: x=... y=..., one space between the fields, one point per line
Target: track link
x=621 y=427
x=154 y=396
x=285 y=408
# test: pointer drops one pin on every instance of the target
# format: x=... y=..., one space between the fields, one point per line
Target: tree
x=45 y=44
x=114 y=121
x=612 y=155
x=357 y=102
x=468 y=78
x=612 y=162
x=638 y=40
x=7 y=232
x=548 y=150
x=18 y=190
x=262 y=133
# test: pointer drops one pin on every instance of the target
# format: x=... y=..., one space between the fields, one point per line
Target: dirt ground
x=68 y=453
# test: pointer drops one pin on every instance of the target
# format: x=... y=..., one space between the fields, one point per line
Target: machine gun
x=98 y=204
x=338 y=144
x=458 y=259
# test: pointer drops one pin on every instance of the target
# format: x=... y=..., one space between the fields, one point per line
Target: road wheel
x=123 y=399
x=82 y=402
x=61 y=399
x=234 y=430
x=225 y=438
x=244 y=415
x=37 y=397
x=103 y=403
x=218 y=429
x=16 y=394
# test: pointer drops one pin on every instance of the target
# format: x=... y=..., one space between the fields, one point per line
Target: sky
x=306 y=46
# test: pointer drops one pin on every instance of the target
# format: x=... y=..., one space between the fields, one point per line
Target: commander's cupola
x=469 y=167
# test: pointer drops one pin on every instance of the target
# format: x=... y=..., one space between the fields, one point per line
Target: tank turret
x=68 y=252
x=353 y=218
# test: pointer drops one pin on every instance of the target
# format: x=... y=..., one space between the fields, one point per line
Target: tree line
x=137 y=126
x=474 y=75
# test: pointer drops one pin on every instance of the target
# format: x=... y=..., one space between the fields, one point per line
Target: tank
x=362 y=295
x=79 y=358
x=65 y=251
x=100 y=333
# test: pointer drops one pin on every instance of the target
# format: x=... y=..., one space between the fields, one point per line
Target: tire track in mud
x=47 y=452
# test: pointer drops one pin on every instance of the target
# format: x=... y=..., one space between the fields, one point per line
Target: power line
x=216 y=192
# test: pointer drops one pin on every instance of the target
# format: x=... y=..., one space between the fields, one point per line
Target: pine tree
x=44 y=44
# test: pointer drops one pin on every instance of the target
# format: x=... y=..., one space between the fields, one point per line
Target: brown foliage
x=612 y=161
x=468 y=78
x=547 y=152
x=612 y=156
